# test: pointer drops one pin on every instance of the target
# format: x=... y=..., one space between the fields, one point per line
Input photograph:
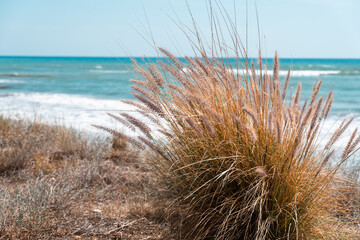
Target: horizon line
x=79 y=56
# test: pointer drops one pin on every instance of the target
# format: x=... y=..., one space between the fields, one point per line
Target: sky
x=295 y=28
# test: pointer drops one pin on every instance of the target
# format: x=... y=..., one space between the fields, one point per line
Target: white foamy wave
x=329 y=127
x=98 y=67
x=294 y=73
x=111 y=71
x=79 y=112
x=10 y=81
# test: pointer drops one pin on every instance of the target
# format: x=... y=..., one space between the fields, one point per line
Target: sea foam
x=10 y=81
x=110 y=71
x=295 y=73
x=79 y=112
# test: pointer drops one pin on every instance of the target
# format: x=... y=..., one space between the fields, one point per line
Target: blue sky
x=296 y=28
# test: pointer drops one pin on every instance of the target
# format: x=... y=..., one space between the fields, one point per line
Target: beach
x=78 y=92
x=85 y=174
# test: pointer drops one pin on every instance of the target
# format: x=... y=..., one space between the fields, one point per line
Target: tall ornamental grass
x=238 y=150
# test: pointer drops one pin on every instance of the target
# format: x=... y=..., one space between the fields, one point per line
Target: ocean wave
x=111 y=71
x=295 y=73
x=79 y=112
x=10 y=81
x=15 y=74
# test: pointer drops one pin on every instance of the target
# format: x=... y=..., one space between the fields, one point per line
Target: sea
x=80 y=91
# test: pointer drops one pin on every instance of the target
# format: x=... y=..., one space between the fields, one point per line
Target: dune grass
x=55 y=183
x=239 y=152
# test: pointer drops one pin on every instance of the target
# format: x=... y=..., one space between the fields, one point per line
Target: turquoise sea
x=78 y=91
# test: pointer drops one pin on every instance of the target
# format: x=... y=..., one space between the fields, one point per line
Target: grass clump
x=238 y=152
x=41 y=147
x=69 y=186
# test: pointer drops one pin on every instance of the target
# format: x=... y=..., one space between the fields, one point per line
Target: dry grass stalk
x=252 y=115
x=175 y=73
x=341 y=129
x=195 y=126
x=286 y=85
x=208 y=126
x=156 y=75
x=151 y=118
x=151 y=105
x=122 y=121
x=315 y=92
x=297 y=95
x=327 y=105
x=137 y=105
x=172 y=58
x=121 y=135
x=239 y=172
x=139 y=124
x=349 y=145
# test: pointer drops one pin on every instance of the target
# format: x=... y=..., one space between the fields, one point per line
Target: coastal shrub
x=239 y=152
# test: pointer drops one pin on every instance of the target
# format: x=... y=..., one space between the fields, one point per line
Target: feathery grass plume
x=172 y=58
x=315 y=92
x=302 y=109
x=315 y=116
x=236 y=118
x=155 y=73
x=270 y=121
x=195 y=126
x=208 y=125
x=150 y=117
x=140 y=83
x=328 y=103
x=292 y=117
x=349 y=144
x=341 y=129
x=145 y=92
x=305 y=120
x=261 y=171
x=286 y=85
x=152 y=146
x=324 y=161
x=141 y=71
x=276 y=69
x=137 y=105
x=121 y=135
x=151 y=85
x=202 y=66
x=153 y=106
x=270 y=84
x=353 y=146
x=278 y=131
x=297 y=95
x=176 y=88
x=213 y=114
x=251 y=113
x=238 y=172
x=252 y=133
x=123 y=122
x=139 y=124
x=175 y=73
x=166 y=134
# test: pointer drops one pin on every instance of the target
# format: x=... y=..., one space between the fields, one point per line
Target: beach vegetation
x=239 y=150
